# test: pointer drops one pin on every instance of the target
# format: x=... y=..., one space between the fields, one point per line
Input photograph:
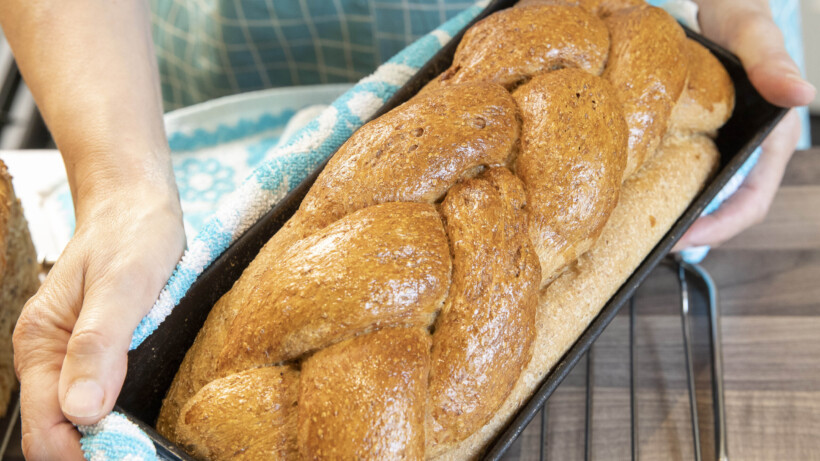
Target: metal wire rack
x=686 y=273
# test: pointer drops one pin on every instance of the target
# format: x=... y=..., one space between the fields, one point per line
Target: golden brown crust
x=365 y=398
x=245 y=416
x=415 y=152
x=385 y=265
x=647 y=66
x=573 y=153
x=708 y=99
x=483 y=335
x=512 y=45
x=19 y=278
x=651 y=201
x=409 y=154
x=197 y=368
x=573 y=156
x=419 y=290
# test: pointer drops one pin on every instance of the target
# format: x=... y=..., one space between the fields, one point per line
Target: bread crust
x=249 y=415
x=648 y=67
x=708 y=99
x=600 y=8
x=19 y=278
x=651 y=201
x=483 y=335
x=366 y=398
x=407 y=154
x=385 y=265
x=512 y=45
x=393 y=258
x=576 y=148
x=573 y=154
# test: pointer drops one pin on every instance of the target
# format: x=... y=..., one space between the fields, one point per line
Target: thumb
x=758 y=42
x=96 y=355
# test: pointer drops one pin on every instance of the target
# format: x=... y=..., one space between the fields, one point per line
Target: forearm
x=91 y=68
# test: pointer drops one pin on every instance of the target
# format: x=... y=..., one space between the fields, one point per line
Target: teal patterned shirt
x=212 y=48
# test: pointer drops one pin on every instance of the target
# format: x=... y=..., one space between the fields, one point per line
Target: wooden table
x=769 y=286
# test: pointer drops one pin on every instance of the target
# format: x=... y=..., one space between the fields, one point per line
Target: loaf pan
x=152 y=365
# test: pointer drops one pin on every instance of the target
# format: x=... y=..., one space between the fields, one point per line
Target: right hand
x=747 y=28
x=72 y=338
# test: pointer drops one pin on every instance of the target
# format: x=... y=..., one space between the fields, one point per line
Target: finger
x=46 y=433
x=40 y=338
x=751 y=202
x=758 y=42
x=742 y=210
x=96 y=356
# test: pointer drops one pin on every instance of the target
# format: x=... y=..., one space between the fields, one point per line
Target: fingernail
x=806 y=84
x=84 y=399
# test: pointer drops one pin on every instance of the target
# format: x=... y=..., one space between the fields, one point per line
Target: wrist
x=110 y=185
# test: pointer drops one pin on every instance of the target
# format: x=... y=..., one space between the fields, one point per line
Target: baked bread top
x=647 y=66
x=406 y=286
x=407 y=154
x=486 y=326
x=512 y=45
x=365 y=398
x=384 y=265
x=250 y=415
x=708 y=99
x=573 y=155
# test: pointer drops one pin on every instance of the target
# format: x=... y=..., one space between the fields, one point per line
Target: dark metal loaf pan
x=152 y=366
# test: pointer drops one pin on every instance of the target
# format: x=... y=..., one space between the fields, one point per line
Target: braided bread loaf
x=453 y=248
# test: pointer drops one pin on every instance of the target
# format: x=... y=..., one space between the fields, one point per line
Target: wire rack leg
x=542 y=450
x=687 y=348
x=715 y=343
x=588 y=422
x=633 y=372
x=8 y=422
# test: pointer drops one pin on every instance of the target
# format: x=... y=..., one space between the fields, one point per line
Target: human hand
x=72 y=338
x=91 y=67
x=747 y=29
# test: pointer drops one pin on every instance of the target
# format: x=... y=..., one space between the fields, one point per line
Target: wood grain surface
x=768 y=280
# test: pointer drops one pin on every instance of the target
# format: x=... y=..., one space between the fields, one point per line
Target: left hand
x=746 y=28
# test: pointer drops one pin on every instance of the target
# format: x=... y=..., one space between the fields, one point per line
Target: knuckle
x=88 y=341
x=759 y=212
x=795 y=128
x=747 y=24
x=31 y=447
x=33 y=323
